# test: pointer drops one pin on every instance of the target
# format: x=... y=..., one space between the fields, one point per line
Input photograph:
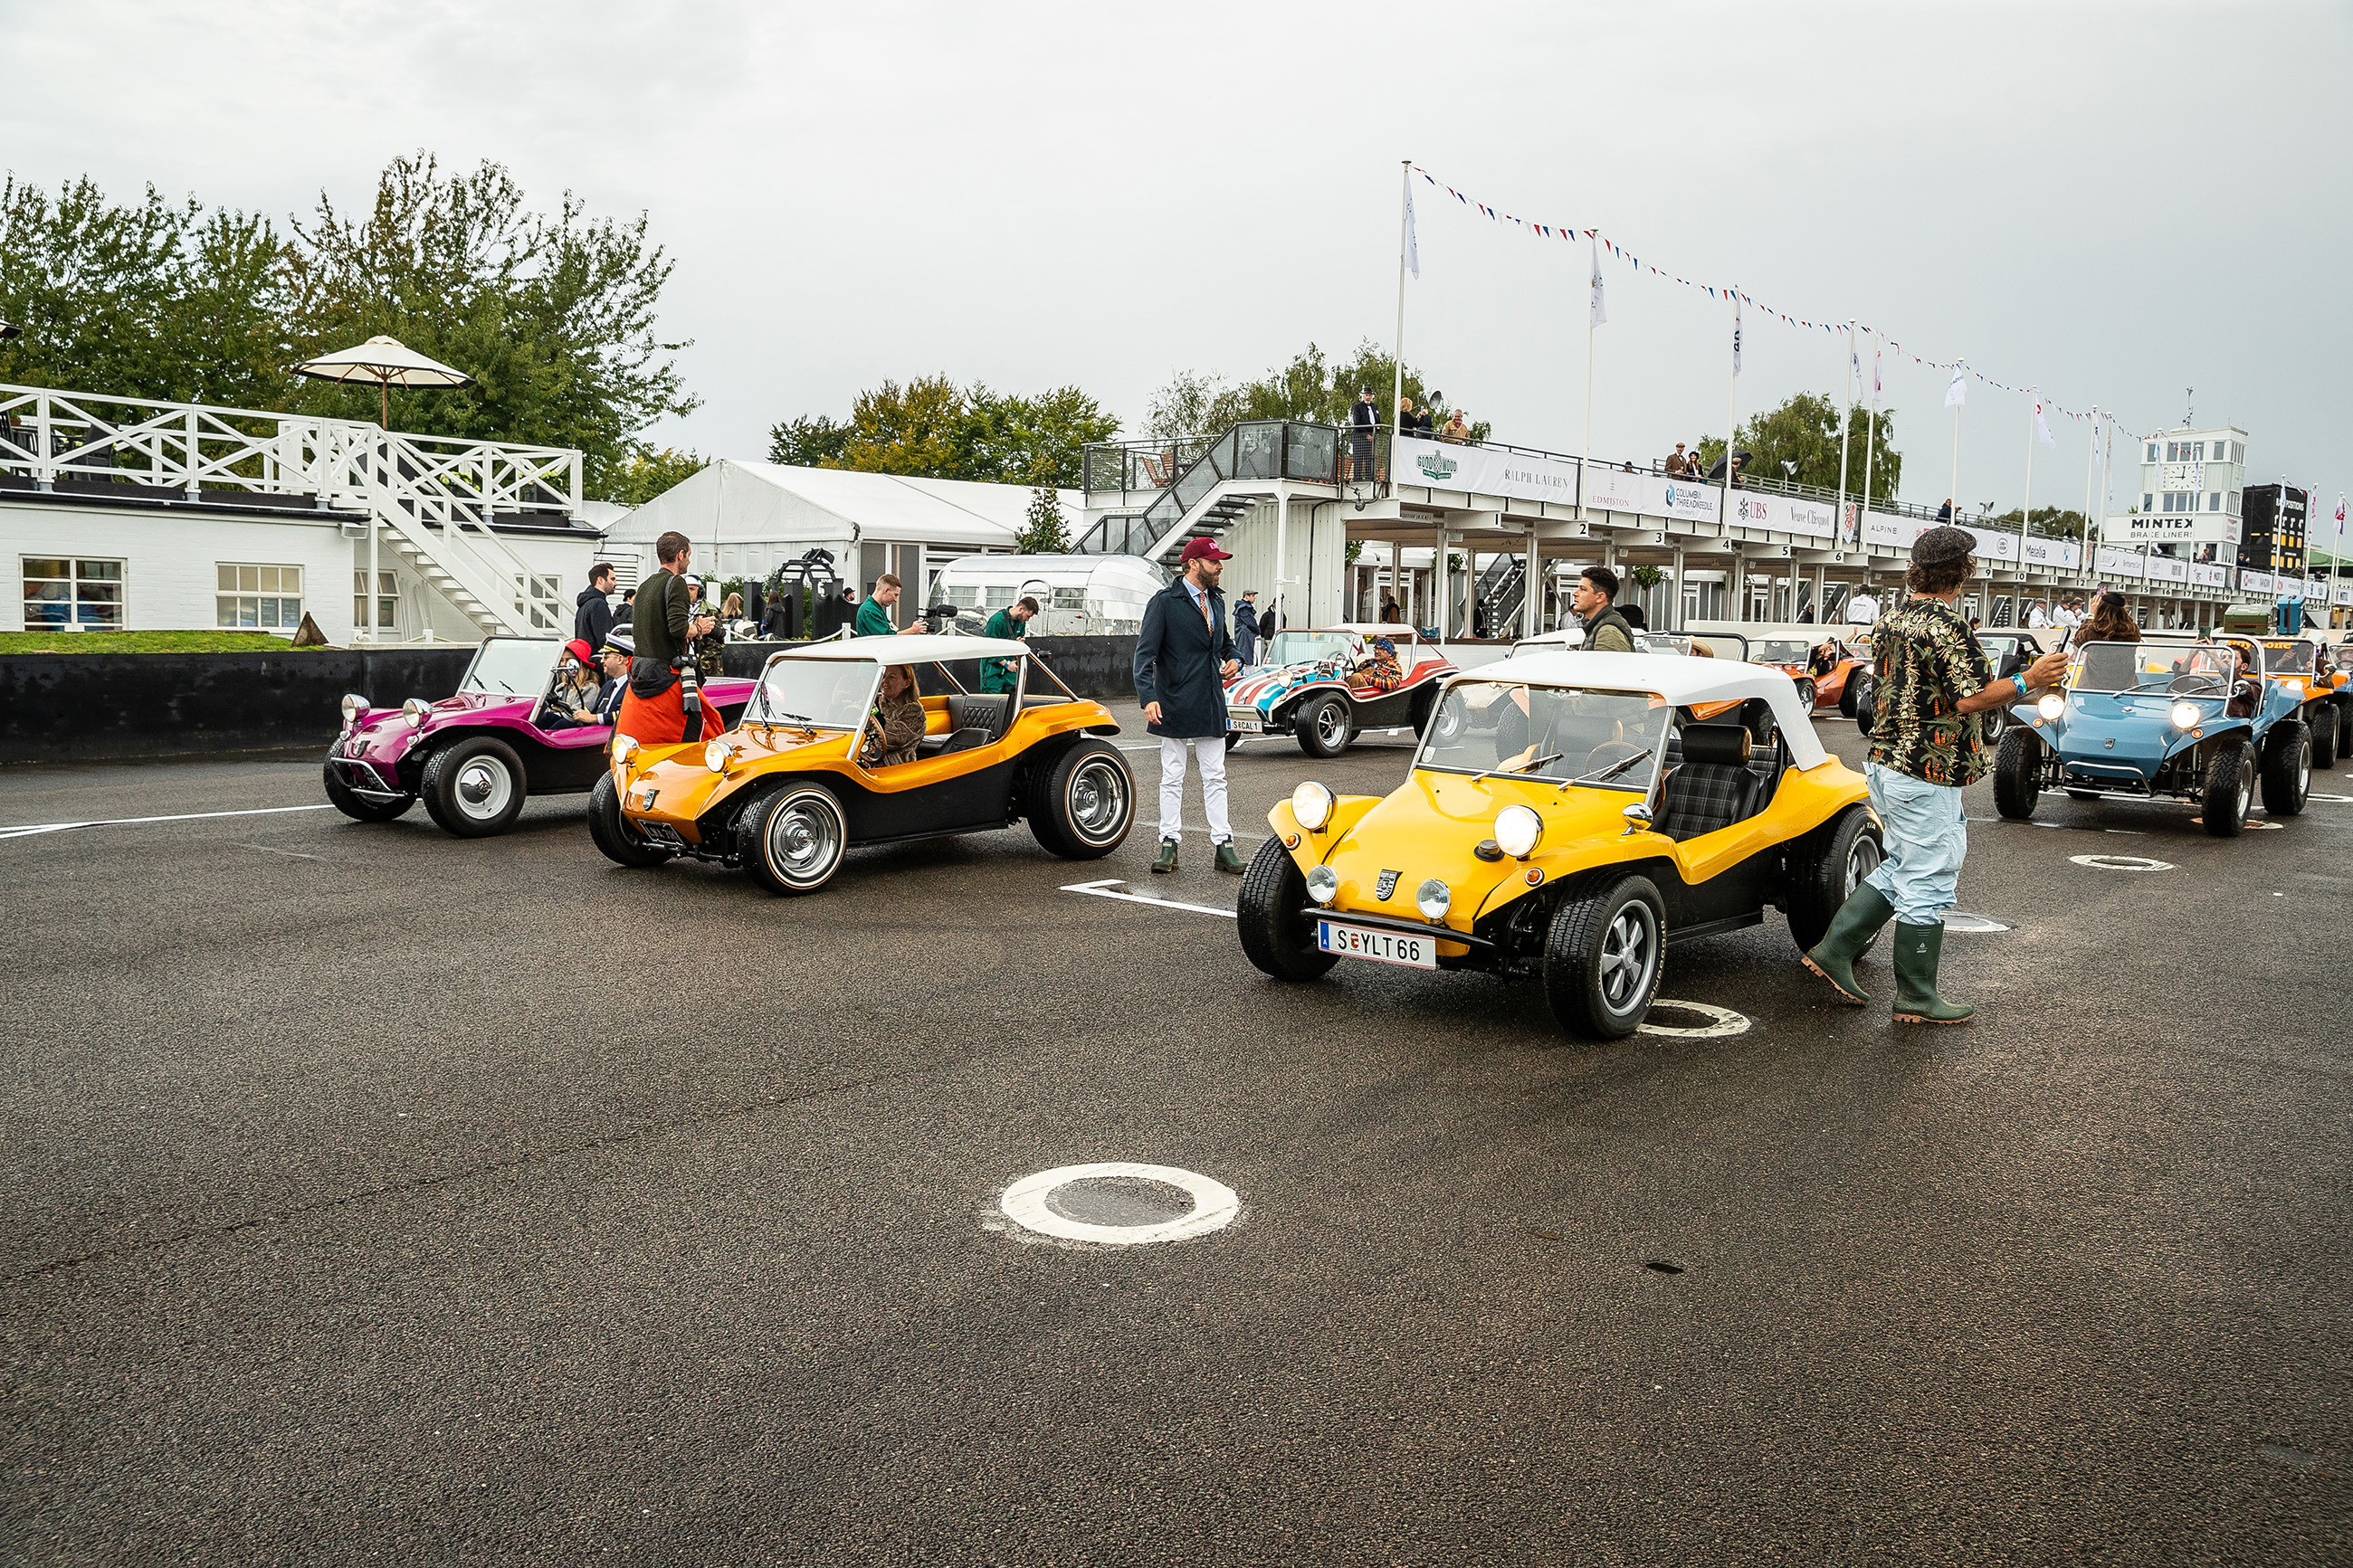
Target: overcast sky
x=2113 y=202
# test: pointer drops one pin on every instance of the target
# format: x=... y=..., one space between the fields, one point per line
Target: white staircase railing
x=434 y=497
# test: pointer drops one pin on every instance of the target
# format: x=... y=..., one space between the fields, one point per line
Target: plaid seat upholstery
x=1713 y=788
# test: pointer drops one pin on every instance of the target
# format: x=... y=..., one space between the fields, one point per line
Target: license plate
x=1241 y=726
x=1380 y=946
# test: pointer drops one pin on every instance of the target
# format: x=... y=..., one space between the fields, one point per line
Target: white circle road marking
x=1723 y=1021
x=1956 y=920
x=2121 y=863
x=1214 y=1205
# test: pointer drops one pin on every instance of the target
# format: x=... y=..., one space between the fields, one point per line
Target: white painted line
x=1102 y=890
x=2333 y=799
x=289 y=854
x=2253 y=827
x=1214 y=1205
x=28 y=829
x=1723 y=1021
x=1955 y=920
x=2121 y=863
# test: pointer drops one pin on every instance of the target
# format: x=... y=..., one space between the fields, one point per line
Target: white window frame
x=238 y=596
x=73 y=581
x=540 y=599
x=387 y=600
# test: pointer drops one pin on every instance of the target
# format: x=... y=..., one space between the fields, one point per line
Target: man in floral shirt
x=1934 y=679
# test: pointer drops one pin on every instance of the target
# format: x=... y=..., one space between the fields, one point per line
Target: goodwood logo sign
x=1435 y=465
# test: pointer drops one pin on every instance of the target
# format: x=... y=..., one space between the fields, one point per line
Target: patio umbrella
x=388 y=363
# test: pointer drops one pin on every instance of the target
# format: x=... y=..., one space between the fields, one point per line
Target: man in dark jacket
x=1246 y=628
x=594 y=616
x=1184 y=656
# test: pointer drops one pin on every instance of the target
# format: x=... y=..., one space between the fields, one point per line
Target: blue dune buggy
x=2173 y=717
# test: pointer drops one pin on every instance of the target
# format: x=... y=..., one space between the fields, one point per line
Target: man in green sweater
x=1013 y=624
x=665 y=622
x=874 y=615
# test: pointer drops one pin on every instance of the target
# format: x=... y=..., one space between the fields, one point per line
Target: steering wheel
x=2193 y=685
x=1593 y=759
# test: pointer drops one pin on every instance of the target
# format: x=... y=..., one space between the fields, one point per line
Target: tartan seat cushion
x=1714 y=787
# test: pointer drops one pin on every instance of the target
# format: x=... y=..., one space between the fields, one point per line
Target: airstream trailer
x=1077 y=596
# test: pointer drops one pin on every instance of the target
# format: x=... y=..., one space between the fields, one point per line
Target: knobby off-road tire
x=474 y=787
x=2287 y=768
x=1268 y=915
x=615 y=838
x=2326 y=736
x=340 y=796
x=2229 y=782
x=1827 y=866
x=2018 y=774
x=1082 y=807
x=1603 y=957
x=1323 y=726
x=794 y=839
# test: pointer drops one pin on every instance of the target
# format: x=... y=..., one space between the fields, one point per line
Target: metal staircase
x=1222 y=481
x=1501 y=590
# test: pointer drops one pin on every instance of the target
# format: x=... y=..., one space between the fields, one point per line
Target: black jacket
x=593 y=619
x=1178 y=660
x=1246 y=618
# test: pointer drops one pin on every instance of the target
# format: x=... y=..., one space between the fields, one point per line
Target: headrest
x=1715 y=743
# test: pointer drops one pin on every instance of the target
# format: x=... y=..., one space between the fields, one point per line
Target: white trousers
x=1211 y=751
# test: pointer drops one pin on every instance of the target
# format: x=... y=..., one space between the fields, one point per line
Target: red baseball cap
x=1206 y=550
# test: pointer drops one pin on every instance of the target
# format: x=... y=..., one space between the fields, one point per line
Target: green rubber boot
x=1168 y=858
x=1917 y=948
x=1851 y=930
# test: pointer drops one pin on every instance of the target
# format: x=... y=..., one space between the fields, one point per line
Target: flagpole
x=2091 y=468
x=1846 y=428
x=1953 y=496
x=1869 y=449
x=1397 y=392
x=1585 y=454
x=2026 y=509
x=1731 y=433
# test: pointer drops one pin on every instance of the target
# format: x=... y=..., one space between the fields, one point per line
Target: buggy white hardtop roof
x=1395 y=631
x=910 y=647
x=1679 y=680
x=1774 y=631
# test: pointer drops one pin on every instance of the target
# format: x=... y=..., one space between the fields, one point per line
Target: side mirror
x=1638 y=818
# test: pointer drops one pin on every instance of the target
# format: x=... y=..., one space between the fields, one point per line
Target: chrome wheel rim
x=804 y=840
x=1330 y=723
x=1860 y=862
x=2303 y=769
x=483 y=788
x=1628 y=952
x=1098 y=799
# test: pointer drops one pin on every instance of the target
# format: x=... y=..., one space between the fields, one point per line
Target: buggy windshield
x=1777 y=650
x=511 y=666
x=1567 y=734
x=1304 y=648
x=2186 y=668
x=2289 y=656
x=822 y=693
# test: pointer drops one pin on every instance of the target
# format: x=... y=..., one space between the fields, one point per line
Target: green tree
x=2048 y=523
x=1044 y=529
x=1307 y=387
x=1804 y=430
x=930 y=426
x=643 y=476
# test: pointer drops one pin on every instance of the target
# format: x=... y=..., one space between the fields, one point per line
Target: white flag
x=2096 y=437
x=1958 y=392
x=1735 y=332
x=1599 y=316
x=1876 y=386
x=1412 y=241
x=2042 y=425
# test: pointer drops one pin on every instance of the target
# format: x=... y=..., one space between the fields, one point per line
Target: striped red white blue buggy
x=1327 y=685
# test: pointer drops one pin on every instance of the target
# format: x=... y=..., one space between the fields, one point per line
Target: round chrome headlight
x=1517 y=828
x=717 y=756
x=624 y=747
x=1433 y=898
x=415 y=710
x=1323 y=884
x=355 y=707
x=2184 y=715
x=2052 y=706
x=1311 y=804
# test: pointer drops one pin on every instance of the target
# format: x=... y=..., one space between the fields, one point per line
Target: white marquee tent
x=746 y=518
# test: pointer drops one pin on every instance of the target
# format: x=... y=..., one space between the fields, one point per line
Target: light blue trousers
x=1927 y=837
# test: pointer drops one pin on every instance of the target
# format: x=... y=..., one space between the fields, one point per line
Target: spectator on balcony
x=1945 y=512
x=1676 y=462
x=1421 y=425
x=1458 y=429
x=1363 y=420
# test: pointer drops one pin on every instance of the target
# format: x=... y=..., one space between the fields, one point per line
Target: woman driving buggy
x=895 y=727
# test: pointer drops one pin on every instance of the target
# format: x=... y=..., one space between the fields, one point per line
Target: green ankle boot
x=1851 y=930
x=1917 y=948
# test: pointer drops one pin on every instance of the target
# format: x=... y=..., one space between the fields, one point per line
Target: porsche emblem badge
x=1386 y=886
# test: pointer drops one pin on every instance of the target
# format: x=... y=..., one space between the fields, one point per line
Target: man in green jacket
x=996 y=674
x=874 y=615
x=664 y=623
x=1595 y=599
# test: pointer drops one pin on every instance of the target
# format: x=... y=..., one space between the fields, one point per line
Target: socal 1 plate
x=1245 y=725
x=1380 y=946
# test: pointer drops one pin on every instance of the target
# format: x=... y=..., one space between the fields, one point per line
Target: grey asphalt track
x=379 y=1197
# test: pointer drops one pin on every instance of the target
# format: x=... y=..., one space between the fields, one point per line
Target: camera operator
x=664 y=705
